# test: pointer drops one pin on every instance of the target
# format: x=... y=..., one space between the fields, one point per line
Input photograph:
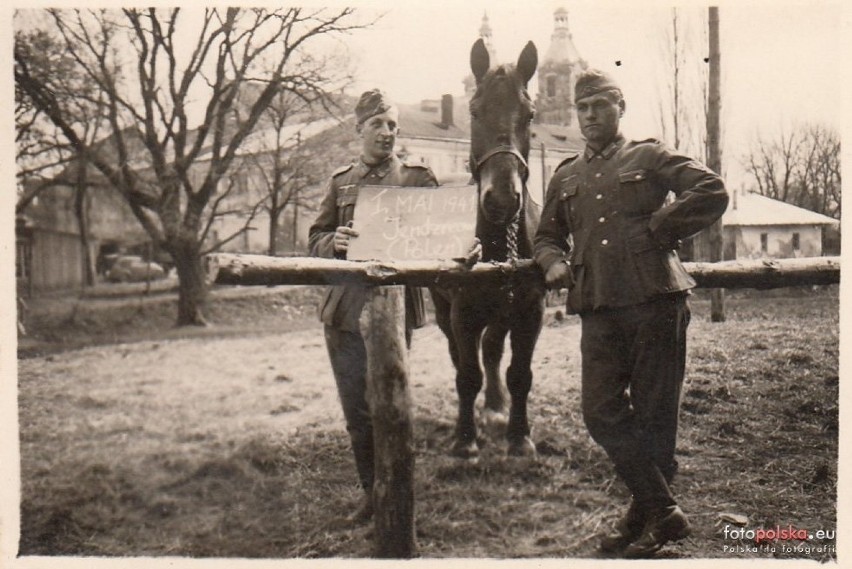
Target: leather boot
x=625 y=531
x=663 y=526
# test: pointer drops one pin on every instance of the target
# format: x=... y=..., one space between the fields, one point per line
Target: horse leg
x=467 y=328
x=524 y=335
x=443 y=306
x=494 y=412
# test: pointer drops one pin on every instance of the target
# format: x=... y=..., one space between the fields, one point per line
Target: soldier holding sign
x=329 y=236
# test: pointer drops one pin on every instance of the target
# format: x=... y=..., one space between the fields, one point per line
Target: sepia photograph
x=527 y=283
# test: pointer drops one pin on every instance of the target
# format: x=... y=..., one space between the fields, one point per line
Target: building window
x=796 y=243
x=764 y=242
x=551 y=85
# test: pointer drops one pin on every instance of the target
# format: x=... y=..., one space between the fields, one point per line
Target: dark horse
x=501 y=112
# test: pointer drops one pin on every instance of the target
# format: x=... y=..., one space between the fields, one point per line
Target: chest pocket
x=347 y=196
x=638 y=195
x=568 y=198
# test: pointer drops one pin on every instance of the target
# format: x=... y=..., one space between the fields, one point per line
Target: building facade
x=758 y=227
x=557 y=73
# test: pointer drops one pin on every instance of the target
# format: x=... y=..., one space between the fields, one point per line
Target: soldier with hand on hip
x=626 y=283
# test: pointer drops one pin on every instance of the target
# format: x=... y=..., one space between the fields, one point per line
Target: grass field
x=230 y=443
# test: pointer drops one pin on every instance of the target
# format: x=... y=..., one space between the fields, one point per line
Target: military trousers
x=348 y=356
x=633 y=362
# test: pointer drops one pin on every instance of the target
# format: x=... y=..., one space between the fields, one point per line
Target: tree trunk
x=273 y=230
x=192 y=286
x=80 y=210
x=295 y=223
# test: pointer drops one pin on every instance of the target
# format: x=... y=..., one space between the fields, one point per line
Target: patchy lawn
x=229 y=442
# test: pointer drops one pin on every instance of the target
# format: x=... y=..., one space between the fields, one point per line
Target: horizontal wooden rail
x=766 y=273
x=238 y=269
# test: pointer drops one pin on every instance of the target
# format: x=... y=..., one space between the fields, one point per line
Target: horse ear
x=527 y=62
x=479 y=60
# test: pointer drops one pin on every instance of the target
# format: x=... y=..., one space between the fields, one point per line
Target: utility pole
x=714 y=154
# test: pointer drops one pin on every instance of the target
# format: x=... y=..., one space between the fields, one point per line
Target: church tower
x=557 y=73
x=485 y=35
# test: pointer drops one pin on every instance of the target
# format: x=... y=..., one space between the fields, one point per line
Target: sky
x=781 y=61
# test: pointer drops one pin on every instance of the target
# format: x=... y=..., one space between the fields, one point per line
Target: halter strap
x=502 y=149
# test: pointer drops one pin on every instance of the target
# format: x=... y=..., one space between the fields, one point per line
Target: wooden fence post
x=393 y=433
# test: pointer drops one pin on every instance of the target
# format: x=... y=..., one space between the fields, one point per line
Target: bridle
x=478 y=162
x=513 y=226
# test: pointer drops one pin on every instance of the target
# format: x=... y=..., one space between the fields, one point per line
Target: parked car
x=130 y=268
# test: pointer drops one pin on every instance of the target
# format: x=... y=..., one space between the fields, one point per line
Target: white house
x=757 y=227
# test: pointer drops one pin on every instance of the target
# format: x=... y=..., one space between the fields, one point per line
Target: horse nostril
x=487 y=201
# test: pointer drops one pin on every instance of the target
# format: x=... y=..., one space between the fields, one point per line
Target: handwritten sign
x=411 y=224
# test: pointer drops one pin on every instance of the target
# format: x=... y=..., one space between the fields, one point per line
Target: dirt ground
x=229 y=441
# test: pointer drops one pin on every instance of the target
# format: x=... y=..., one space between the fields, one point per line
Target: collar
x=381 y=169
x=607 y=152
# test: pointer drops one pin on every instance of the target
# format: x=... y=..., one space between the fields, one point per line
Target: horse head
x=501 y=112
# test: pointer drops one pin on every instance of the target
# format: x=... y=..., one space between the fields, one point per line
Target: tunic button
x=598 y=175
x=601 y=219
x=638 y=176
x=599 y=197
x=604 y=241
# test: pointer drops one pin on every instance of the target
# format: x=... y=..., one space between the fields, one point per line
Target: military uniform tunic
x=614 y=206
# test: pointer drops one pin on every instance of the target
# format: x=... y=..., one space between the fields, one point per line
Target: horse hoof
x=465 y=450
x=495 y=422
x=524 y=448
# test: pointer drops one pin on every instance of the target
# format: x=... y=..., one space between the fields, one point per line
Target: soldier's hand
x=559 y=275
x=342 y=235
x=475 y=254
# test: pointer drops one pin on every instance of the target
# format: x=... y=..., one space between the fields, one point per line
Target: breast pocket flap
x=570 y=186
x=632 y=176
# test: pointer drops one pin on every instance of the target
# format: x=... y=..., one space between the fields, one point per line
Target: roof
x=424 y=121
x=747 y=208
x=267 y=139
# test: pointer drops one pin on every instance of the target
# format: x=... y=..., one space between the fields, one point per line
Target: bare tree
x=173 y=61
x=683 y=105
x=42 y=151
x=299 y=147
x=800 y=165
